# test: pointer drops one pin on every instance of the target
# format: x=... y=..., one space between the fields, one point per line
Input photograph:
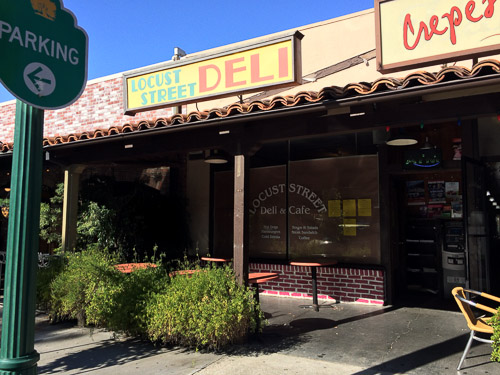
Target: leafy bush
x=96 y=226
x=120 y=303
x=208 y=309
x=51 y=218
x=95 y=223
x=83 y=275
x=45 y=276
x=91 y=290
x=495 y=323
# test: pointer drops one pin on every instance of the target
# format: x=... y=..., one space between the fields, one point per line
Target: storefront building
x=302 y=166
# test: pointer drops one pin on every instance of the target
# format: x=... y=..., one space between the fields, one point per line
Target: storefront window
x=324 y=207
x=267 y=212
x=334 y=209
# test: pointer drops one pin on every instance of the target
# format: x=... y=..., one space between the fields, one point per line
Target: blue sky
x=129 y=34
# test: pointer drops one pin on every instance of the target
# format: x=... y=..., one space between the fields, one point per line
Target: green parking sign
x=43 y=53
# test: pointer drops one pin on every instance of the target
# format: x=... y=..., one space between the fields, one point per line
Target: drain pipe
x=178 y=54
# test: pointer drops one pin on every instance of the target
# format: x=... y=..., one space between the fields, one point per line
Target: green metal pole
x=17 y=350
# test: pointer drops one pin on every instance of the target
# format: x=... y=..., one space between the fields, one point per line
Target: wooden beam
x=70 y=206
x=240 y=251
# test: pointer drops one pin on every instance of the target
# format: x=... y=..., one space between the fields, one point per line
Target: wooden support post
x=240 y=251
x=70 y=206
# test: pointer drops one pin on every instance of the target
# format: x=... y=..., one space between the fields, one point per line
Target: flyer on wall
x=436 y=192
x=415 y=192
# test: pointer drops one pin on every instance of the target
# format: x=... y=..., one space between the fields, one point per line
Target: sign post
x=44 y=65
x=17 y=352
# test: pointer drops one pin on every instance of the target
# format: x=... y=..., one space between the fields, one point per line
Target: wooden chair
x=475 y=324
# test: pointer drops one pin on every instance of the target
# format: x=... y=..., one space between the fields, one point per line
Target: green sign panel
x=43 y=53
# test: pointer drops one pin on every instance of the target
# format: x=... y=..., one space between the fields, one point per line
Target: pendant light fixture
x=401 y=139
x=216 y=157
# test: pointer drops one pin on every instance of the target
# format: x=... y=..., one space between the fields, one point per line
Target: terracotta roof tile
x=358 y=89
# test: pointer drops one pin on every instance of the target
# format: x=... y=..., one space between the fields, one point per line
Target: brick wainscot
x=334 y=283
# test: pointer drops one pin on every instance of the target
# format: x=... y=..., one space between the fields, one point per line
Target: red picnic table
x=131 y=267
x=183 y=272
x=256 y=278
x=216 y=260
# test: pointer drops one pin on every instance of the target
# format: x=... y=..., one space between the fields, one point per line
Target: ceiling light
x=401 y=140
x=357 y=114
x=216 y=157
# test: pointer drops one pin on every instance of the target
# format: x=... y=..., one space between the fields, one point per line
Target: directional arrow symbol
x=39 y=79
x=36 y=79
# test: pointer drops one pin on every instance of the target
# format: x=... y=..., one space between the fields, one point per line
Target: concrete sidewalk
x=339 y=339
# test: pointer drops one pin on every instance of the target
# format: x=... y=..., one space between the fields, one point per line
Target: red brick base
x=341 y=284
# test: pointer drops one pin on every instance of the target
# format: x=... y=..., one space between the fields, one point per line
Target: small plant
x=495 y=323
x=208 y=309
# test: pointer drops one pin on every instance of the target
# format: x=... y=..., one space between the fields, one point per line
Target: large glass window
x=321 y=206
x=267 y=212
x=333 y=209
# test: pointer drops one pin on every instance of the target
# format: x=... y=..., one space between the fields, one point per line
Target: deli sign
x=248 y=68
x=413 y=33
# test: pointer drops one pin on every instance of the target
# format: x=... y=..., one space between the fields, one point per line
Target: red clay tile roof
x=353 y=90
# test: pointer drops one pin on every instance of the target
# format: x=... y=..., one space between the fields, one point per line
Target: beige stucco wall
x=325 y=44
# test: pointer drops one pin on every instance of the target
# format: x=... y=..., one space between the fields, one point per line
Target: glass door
x=477 y=246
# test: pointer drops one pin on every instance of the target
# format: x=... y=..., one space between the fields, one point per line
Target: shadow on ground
x=285 y=337
x=420 y=358
x=105 y=355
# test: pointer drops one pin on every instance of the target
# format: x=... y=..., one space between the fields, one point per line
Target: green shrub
x=208 y=309
x=51 y=217
x=495 y=323
x=45 y=276
x=96 y=226
x=84 y=274
x=91 y=290
x=119 y=304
